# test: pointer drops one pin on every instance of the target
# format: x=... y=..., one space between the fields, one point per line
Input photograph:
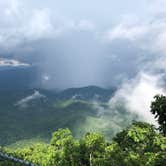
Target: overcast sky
x=80 y=42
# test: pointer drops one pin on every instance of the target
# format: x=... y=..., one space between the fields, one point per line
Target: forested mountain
x=77 y=127
x=35 y=114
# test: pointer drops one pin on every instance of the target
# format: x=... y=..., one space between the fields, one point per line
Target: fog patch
x=25 y=101
x=137 y=95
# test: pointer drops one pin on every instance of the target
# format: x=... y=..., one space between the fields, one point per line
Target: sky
x=79 y=42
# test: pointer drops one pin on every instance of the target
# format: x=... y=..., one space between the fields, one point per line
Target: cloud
x=137 y=92
x=12 y=63
x=20 y=24
x=137 y=95
x=24 y=102
x=39 y=25
x=130 y=32
x=125 y=48
x=147 y=36
x=69 y=47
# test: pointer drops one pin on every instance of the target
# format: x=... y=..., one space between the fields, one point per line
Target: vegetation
x=138 y=145
x=73 y=108
x=158 y=108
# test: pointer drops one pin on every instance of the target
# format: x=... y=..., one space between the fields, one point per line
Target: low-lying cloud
x=25 y=101
x=12 y=63
x=137 y=95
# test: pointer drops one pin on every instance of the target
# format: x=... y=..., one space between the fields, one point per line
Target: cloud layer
x=72 y=49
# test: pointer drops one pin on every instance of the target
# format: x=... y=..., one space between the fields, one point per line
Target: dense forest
x=139 y=144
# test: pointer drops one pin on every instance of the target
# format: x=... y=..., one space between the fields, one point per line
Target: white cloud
x=24 y=102
x=149 y=37
x=130 y=32
x=38 y=26
x=138 y=93
x=11 y=63
x=20 y=23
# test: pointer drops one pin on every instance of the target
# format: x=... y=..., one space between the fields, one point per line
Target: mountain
x=36 y=113
x=87 y=93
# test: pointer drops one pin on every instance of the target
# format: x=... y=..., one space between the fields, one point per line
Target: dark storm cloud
x=82 y=43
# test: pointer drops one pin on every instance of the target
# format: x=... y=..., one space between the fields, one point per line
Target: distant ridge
x=87 y=93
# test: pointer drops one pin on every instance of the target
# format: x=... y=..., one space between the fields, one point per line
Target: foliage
x=158 y=108
x=66 y=147
x=138 y=145
x=92 y=146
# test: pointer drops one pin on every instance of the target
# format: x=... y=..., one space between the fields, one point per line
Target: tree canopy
x=158 y=108
x=140 y=144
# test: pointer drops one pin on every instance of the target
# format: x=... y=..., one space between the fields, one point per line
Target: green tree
x=158 y=108
x=67 y=148
x=139 y=137
x=138 y=145
x=141 y=145
x=114 y=155
x=39 y=154
x=92 y=148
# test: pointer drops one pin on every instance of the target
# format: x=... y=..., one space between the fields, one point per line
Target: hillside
x=35 y=114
